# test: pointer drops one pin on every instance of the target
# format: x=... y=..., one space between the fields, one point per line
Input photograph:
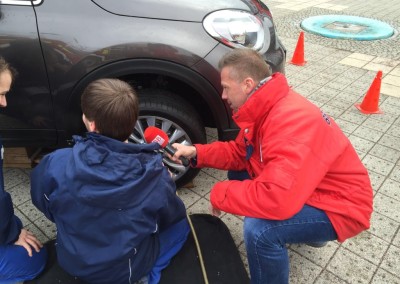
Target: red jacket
x=296 y=155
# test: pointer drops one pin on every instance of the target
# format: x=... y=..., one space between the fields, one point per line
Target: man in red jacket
x=304 y=181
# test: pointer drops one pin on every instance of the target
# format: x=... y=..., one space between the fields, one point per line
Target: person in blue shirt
x=114 y=203
x=22 y=256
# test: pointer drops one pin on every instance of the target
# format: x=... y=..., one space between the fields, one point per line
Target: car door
x=28 y=118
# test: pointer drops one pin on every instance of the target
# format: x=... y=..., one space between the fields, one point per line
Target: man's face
x=234 y=92
x=5 y=84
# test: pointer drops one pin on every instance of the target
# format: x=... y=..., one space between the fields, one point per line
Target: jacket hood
x=99 y=160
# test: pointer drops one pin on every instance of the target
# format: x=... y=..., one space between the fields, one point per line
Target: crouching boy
x=114 y=203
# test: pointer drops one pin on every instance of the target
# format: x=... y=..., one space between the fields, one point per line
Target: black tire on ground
x=177 y=118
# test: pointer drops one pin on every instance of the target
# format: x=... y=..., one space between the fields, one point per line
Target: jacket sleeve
x=277 y=193
x=10 y=225
x=222 y=155
x=173 y=209
x=42 y=186
x=297 y=154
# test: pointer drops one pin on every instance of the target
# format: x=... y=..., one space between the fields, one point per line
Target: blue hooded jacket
x=109 y=201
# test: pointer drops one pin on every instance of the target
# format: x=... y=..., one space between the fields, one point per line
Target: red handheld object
x=154 y=134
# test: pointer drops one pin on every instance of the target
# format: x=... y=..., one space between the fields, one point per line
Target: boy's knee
x=42 y=255
x=36 y=264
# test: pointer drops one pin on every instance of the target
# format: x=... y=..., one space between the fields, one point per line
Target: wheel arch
x=190 y=82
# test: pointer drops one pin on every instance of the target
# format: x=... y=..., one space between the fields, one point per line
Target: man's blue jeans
x=266 y=241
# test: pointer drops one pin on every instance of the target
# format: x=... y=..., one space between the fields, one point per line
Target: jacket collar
x=259 y=104
x=116 y=145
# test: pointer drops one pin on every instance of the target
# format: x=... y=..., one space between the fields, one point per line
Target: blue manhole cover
x=347 y=27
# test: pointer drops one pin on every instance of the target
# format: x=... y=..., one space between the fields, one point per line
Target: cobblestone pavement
x=337 y=74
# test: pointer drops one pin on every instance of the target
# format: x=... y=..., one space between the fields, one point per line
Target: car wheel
x=175 y=117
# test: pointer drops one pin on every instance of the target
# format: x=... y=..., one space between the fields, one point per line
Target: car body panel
x=195 y=10
x=77 y=51
x=60 y=46
x=29 y=102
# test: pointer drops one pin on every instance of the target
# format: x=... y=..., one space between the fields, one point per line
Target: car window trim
x=21 y=2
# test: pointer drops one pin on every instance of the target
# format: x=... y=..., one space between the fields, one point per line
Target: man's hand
x=28 y=241
x=183 y=150
x=214 y=211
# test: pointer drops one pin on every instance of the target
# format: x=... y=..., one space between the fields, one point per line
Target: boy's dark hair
x=245 y=62
x=113 y=105
x=5 y=66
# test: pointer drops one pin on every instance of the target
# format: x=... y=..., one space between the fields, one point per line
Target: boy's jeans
x=266 y=240
x=16 y=265
x=171 y=241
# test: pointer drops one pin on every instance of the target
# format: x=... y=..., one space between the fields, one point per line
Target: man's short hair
x=245 y=63
x=113 y=105
x=5 y=66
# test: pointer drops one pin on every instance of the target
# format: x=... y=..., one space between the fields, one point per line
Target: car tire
x=177 y=118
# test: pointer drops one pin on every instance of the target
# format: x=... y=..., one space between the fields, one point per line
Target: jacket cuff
x=198 y=160
x=218 y=194
x=194 y=161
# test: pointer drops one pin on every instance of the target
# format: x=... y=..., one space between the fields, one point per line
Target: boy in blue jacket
x=114 y=203
x=21 y=254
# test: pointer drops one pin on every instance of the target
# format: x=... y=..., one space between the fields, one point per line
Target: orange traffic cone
x=370 y=102
x=298 y=55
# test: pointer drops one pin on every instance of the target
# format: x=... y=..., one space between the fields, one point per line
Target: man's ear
x=249 y=85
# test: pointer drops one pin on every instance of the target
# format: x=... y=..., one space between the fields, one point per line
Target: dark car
x=168 y=50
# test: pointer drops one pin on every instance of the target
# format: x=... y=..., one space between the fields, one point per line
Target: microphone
x=154 y=134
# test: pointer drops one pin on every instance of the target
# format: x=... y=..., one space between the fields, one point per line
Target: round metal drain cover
x=347 y=27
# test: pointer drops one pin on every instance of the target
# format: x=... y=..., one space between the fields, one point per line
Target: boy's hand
x=28 y=241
